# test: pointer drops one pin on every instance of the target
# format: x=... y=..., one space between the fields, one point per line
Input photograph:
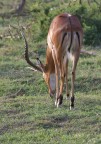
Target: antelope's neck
x=50 y=67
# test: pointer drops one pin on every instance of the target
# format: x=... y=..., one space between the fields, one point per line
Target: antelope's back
x=60 y=25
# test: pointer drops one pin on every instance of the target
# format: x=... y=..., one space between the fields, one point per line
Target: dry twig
x=87 y=52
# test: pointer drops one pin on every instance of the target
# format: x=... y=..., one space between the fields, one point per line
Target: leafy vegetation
x=27 y=113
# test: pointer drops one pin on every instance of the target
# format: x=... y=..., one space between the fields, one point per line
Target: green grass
x=28 y=114
x=34 y=119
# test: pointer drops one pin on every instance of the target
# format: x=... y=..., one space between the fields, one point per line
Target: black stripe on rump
x=70 y=42
x=71 y=35
x=63 y=38
x=78 y=37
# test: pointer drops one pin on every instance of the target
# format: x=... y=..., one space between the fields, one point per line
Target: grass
x=28 y=114
x=34 y=119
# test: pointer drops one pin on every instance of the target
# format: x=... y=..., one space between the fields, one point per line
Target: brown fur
x=57 y=50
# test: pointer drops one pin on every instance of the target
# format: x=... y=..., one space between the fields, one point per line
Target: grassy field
x=28 y=114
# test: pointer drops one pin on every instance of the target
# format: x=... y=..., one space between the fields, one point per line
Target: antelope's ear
x=32 y=69
x=40 y=64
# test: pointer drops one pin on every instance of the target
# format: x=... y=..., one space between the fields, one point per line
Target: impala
x=64 y=42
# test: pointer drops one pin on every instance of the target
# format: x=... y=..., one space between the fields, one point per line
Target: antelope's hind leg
x=72 y=98
x=66 y=78
x=62 y=77
x=57 y=77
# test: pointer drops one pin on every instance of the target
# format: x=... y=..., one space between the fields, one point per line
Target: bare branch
x=20 y=7
x=15 y=12
x=87 y=52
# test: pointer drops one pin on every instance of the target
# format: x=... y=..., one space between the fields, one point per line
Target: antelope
x=64 y=43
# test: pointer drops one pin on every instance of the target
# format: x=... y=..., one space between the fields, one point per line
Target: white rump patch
x=74 y=47
x=69 y=15
x=69 y=56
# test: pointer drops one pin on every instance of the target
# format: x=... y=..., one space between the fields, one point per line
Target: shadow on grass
x=55 y=122
x=47 y=123
x=51 y=123
x=88 y=111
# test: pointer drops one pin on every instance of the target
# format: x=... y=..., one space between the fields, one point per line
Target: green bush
x=43 y=11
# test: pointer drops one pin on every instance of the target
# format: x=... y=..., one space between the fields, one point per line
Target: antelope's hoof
x=60 y=99
x=72 y=103
x=71 y=107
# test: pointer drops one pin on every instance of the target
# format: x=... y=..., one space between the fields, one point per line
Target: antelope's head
x=48 y=76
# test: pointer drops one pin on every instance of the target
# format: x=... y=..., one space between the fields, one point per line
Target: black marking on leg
x=72 y=101
x=60 y=99
x=71 y=35
x=68 y=95
x=78 y=37
x=63 y=38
